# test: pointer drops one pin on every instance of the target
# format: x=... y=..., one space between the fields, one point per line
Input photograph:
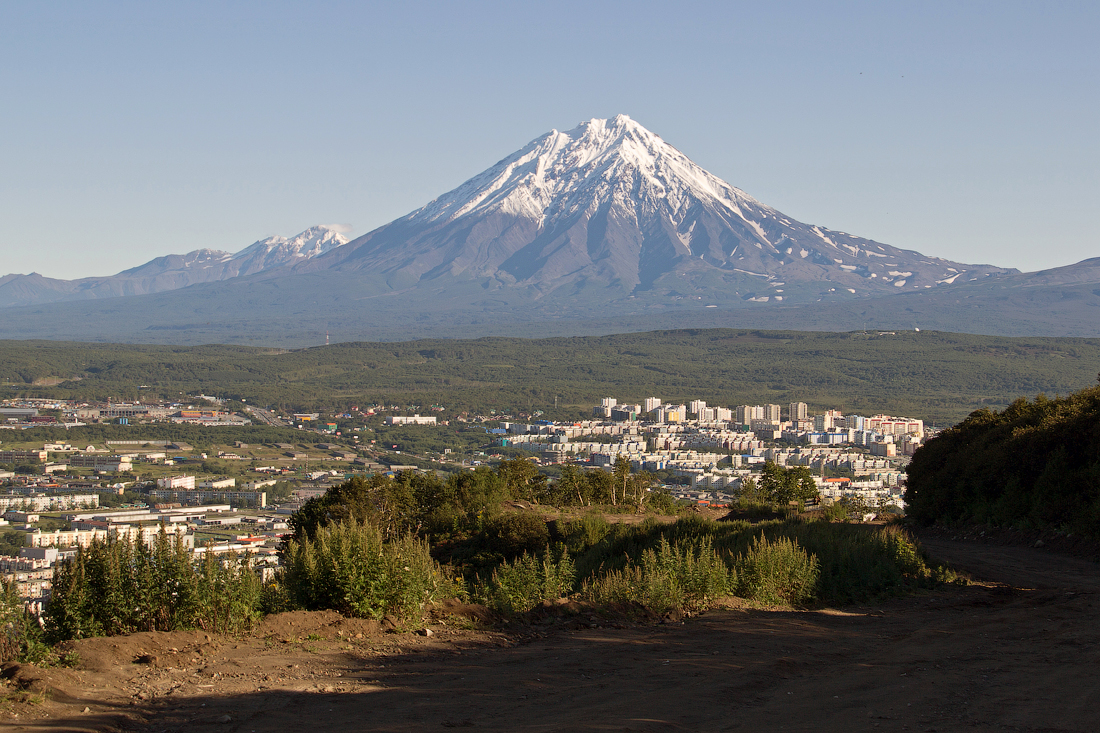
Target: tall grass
x=776 y=572
x=689 y=563
x=120 y=586
x=518 y=586
x=349 y=568
x=689 y=574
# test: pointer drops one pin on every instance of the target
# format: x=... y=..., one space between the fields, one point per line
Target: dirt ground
x=1017 y=650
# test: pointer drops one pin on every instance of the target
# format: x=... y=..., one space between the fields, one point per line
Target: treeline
x=1034 y=465
x=937 y=376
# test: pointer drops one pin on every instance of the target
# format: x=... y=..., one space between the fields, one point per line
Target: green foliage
x=938 y=376
x=522 y=479
x=1035 y=465
x=390 y=504
x=498 y=539
x=511 y=535
x=348 y=567
x=855 y=563
x=580 y=534
x=781 y=486
x=13 y=622
x=520 y=585
x=661 y=502
x=776 y=572
x=686 y=575
x=11 y=542
x=835 y=512
x=119 y=587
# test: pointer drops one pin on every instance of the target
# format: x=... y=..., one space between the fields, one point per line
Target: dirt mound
x=471 y=611
x=106 y=654
x=318 y=625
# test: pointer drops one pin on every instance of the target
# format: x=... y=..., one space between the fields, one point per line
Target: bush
x=580 y=534
x=512 y=535
x=13 y=622
x=777 y=572
x=348 y=568
x=501 y=539
x=519 y=586
x=669 y=577
x=119 y=587
x=835 y=512
x=1034 y=465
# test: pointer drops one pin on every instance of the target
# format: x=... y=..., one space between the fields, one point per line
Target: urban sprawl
x=56 y=494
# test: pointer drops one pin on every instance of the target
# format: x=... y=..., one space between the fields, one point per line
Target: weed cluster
x=518 y=586
x=348 y=567
x=120 y=586
x=688 y=564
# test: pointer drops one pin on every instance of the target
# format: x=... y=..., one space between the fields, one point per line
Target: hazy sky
x=966 y=130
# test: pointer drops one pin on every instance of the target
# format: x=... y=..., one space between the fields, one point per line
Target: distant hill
x=940 y=377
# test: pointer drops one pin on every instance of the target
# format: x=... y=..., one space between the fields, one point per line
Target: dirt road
x=1017 y=652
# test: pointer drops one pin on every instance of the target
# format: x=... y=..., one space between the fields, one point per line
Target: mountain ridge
x=172 y=272
x=573 y=233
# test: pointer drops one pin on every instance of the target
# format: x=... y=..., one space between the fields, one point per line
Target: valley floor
x=1016 y=650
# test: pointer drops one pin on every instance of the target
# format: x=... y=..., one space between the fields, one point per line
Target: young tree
x=522 y=479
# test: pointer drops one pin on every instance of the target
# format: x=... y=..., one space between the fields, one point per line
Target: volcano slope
x=1016 y=649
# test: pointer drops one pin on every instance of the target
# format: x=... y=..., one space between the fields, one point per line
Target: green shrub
x=835 y=512
x=670 y=577
x=14 y=624
x=776 y=572
x=348 y=568
x=499 y=539
x=518 y=586
x=512 y=535
x=119 y=586
x=581 y=534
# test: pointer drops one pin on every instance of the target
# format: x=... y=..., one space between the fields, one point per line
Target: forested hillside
x=940 y=377
x=1034 y=465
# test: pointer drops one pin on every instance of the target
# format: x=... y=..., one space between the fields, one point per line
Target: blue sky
x=965 y=130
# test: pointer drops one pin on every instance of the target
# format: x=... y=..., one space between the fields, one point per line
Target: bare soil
x=1015 y=650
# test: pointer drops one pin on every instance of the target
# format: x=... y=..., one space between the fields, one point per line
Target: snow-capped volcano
x=597 y=163
x=172 y=272
x=611 y=204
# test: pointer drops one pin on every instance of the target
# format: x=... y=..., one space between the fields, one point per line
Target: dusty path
x=1021 y=654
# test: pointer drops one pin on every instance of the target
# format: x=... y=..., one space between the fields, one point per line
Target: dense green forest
x=1034 y=465
x=940 y=377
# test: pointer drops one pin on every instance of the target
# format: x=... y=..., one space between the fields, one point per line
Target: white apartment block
x=48 y=502
x=176 y=482
x=414 y=420
x=200 y=496
x=745 y=414
x=223 y=483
